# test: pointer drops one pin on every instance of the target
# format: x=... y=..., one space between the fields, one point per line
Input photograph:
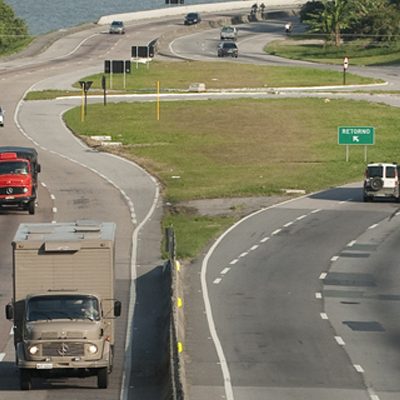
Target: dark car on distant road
x=227 y=48
x=192 y=18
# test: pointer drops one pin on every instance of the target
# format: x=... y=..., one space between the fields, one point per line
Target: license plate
x=10 y=197
x=44 y=366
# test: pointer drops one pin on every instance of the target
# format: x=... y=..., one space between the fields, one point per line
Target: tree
x=332 y=18
x=13 y=30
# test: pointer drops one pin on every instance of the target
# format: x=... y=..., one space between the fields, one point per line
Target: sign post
x=345 y=66
x=356 y=135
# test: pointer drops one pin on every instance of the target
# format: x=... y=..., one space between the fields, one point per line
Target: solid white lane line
x=339 y=340
x=276 y=232
x=373 y=226
x=323 y=275
x=2 y=355
x=359 y=368
x=335 y=258
x=324 y=315
x=252 y=248
x=352 y=243
x=264 y=239
x=217 y=281
x=318 y=295
x=233 y=262
x=225 y=271
x=288 y=224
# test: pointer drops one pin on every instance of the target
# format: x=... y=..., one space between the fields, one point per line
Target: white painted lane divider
x=339 y=340
x=334 y=258
x=288 y=224
x=252 y=248
x=264 y=239
x=373 y=226
x=301 y=217
x=359 y=368
x=324 y=315
x=2 y=355
x=318 y=295
x=217 y=281
x=323 y=275
x=233 y=262
x=275 y=232
x=352 y=243
x=244 y=254
x=225 y=271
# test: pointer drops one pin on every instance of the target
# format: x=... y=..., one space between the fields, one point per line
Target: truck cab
x=17 y=188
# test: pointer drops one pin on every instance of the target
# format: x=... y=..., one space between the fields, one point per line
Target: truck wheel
x=31 y=207
x=25 y=379
x=102 y=378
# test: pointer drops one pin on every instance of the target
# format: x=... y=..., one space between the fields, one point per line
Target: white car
x=117 y=27
x=381 y=181
x=228 y=33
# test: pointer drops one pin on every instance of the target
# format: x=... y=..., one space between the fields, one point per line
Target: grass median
x=239 y=148
x=359 y=52
x=178 y=76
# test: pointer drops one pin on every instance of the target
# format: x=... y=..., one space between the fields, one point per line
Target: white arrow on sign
x=356 y=139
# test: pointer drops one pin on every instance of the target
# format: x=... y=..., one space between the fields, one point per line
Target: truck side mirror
x=117 y=308
x=38 y=168
x=9 y=311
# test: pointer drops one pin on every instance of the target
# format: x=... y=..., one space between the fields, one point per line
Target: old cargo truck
x=63 y=305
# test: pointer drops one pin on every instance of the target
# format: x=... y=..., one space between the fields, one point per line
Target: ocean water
x=43 y=16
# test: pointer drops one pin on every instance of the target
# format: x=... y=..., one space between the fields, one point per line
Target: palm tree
x=332 y=19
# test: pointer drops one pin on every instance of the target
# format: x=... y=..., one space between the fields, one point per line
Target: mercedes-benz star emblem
x=63 y=350
x=9 y=190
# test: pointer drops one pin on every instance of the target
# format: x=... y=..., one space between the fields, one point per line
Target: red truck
x=17 y=186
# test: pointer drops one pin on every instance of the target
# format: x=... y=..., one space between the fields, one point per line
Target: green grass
x=193 y=232
x=360 y=52
x=246 y=147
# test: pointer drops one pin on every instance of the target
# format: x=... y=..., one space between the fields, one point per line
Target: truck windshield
x=63 y=307
x=14 y=167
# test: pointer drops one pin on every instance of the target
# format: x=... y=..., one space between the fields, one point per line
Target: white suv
x=228 y=33
x=381 y=180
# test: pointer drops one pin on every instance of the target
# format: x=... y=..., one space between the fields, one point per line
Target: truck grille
x=63 y=349
x=11 y=190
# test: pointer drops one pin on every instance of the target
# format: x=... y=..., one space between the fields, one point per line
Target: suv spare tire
x=376 y=183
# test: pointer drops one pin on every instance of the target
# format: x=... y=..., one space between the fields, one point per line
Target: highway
x=297 y=301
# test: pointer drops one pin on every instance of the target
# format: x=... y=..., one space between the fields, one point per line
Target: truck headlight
x=92 y=349
x=33 y=350
x=25 y=190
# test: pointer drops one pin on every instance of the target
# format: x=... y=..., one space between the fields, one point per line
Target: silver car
x=117 y=27
x=228 y=33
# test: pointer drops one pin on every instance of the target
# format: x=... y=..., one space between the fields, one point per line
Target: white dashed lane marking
x=233 y=262
x=217 y=281
x=318 y=295
x=324 y=316
x=373 y=226
x=264 y=239
x=225 y=271
x=339 y=340
x=359 y=368
x=276 y=232
x=323 y=275
x=2 y=355
x=335 y=258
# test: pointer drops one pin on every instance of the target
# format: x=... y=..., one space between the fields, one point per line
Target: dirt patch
x=232 y=206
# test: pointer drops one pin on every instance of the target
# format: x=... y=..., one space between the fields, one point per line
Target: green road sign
x=356 y=135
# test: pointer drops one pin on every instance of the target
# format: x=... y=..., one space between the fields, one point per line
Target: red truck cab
x=16 y=183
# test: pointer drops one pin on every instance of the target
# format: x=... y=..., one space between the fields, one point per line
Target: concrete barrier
x=201 y=8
